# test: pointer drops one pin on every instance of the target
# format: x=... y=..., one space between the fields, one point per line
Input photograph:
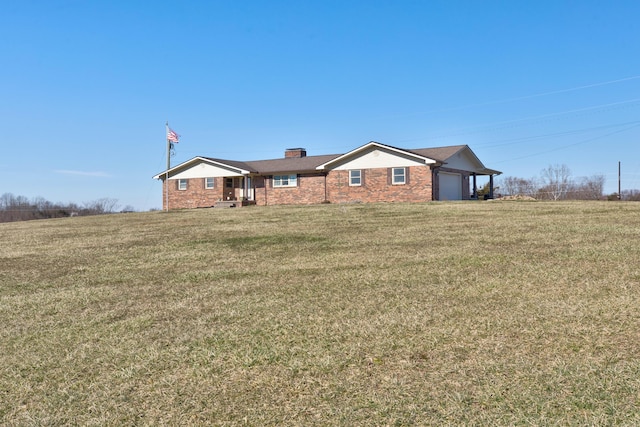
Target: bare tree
x=556 y=182
x=101 y=206
x=631 y=195
x=514 y=186
x=19 y=208
x=5 y=200
x=529 y=187
x=589 y=188
x=509 y=185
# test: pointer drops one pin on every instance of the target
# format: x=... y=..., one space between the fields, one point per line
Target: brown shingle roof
x=291 y=164
x=438 y=153
x=233 y=163
x=310 y=163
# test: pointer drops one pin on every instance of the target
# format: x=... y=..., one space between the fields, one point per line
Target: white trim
x=393 y=176
x=292 y=180
x=359 y=184
x=480 y=168
x=188 y=163
x=358 y=150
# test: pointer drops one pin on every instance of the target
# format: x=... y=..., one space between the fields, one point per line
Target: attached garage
x=450 y=186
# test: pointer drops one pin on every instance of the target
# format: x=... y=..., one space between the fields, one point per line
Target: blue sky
x=87 y=86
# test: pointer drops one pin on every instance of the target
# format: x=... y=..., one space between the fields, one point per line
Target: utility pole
x=619 y=186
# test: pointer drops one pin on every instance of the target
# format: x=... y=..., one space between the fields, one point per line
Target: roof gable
x=375 y=154
x=439 y=153
x=200 y=167
x=458 y=157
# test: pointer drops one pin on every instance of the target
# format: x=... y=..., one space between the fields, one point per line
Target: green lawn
x=468 y=313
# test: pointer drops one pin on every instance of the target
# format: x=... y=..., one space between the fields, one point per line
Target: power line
x=538 y=95
x=570 y=145
x=511 y=141
x=508 y=123
x=520 y=98
x=539 y=119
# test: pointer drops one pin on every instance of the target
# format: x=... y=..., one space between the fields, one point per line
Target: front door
x=229 y=190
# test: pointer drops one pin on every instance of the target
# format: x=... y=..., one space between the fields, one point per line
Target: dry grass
x=501 y=313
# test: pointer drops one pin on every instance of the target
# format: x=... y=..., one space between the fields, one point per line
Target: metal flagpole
x=166 y=180
x=172 y=137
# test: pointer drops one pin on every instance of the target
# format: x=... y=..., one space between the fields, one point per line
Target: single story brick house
x=374 y=172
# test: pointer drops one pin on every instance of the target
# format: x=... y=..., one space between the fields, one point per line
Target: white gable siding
x=462 y=161
x=204 y=170
x=377 y=158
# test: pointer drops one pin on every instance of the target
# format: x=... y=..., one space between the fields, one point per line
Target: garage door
x=450 y=186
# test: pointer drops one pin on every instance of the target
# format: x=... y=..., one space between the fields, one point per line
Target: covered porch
x=237 y=191
x=474 y=184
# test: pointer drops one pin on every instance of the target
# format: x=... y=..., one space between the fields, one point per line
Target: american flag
x=172 y=136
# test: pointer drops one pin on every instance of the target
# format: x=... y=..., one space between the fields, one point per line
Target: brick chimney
x=295 y=153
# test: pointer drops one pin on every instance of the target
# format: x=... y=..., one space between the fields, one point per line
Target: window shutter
x=406 y=175
x=389 y=176
x=270 y=179
x=362 y=177
x=298 y=180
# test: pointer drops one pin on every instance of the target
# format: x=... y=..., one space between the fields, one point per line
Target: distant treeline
x=20 y=208
x=556 y=183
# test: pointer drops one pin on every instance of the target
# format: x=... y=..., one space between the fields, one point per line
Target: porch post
x=475 y=187
x=491 y=186
x=245 y=189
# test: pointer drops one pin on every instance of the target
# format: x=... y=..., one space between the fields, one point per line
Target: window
x=228 y=182
x=182 y=184
x=355 y=177
x=285 y=180
x=398 y=176
x=208 y=183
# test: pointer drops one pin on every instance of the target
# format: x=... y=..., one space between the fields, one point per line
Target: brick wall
x=376 y=187
x=195 y=196
x=309 y=190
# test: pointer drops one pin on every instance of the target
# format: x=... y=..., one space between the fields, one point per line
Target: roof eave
x=487 y=171
x=426 y=160
x=167 y=172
